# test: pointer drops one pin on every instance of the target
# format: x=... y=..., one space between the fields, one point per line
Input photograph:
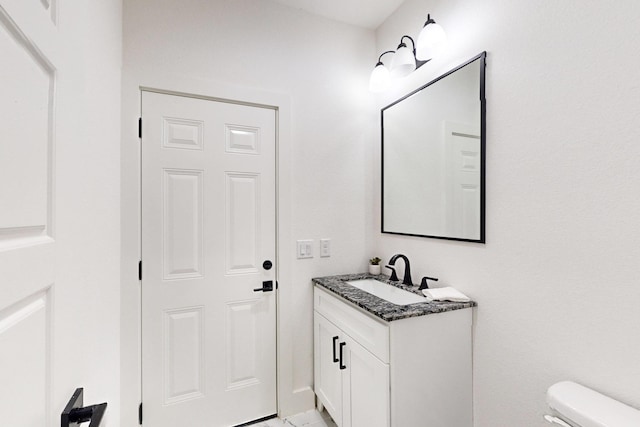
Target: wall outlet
x=304 y=249
x=325 y=248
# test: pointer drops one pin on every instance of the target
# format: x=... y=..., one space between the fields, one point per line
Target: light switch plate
x=325 y=248
x=304 y=249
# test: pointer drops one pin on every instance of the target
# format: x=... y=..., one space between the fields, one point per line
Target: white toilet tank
x=582 y=407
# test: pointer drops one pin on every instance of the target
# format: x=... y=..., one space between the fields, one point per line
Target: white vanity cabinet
x=351 y=382
x=411 y=372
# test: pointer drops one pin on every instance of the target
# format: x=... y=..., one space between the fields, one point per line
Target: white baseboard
x=300 y=400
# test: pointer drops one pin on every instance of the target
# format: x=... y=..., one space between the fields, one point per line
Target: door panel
x=242 y=139
x=183 y=354
x=242 y=354
x=367 y=385
x=27 y=131
x=182 y=219
x=182 y=133
x=25 y=363
x=242 y=221
x=28 y=43
x=327 y=373
x=208 y=223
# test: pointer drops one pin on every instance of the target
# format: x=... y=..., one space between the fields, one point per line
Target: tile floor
x=311 y=418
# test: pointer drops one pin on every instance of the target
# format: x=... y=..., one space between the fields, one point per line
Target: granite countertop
x=379 y=307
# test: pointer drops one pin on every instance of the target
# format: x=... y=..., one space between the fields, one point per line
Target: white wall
x=255 y=48
x=557 y=282
x=86 y=321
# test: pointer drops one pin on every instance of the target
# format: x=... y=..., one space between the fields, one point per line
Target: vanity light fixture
x=403 y=62
x=431 y=40
x=380 y=77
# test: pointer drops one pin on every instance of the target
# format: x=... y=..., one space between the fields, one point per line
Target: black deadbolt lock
x=267 y=265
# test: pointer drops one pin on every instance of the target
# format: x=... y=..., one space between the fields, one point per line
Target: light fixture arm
x=419 y=63
x=413 y=43
x=381 y=55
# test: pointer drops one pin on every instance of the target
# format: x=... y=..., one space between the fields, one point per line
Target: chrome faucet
x=407 y=269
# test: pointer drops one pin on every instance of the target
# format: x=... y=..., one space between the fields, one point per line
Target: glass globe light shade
x=431 y=41
x=403 y=62
x=379 y=79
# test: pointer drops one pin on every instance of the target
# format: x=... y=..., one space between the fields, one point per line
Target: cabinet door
x=327 y=373
x=365 y=388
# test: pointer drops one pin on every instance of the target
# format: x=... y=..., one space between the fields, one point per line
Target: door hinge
x=140 y=128
x=140 y=414
x=139 y=270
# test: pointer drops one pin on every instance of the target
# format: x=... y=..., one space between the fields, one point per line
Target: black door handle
x=335 y=359
x=342 y=366
x=267 y=286
x=74 y=414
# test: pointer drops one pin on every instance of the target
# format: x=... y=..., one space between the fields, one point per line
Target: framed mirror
x=433 y=158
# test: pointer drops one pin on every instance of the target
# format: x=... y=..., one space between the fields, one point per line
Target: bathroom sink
x=387 y=292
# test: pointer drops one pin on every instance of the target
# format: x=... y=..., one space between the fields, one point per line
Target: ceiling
x=362 y=13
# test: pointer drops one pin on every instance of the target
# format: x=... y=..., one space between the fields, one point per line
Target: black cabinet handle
x=335 y=359
x=342 y=366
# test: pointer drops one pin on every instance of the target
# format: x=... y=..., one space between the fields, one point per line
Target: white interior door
x=27 y=246
x=208 y=224
x=463 y=180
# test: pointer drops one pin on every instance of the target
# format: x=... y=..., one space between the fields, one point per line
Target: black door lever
x=74 y=414
x=267 y=286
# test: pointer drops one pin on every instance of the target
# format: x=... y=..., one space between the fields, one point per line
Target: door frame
x=289 y=400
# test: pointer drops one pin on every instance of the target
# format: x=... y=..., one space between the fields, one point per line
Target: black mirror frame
x=483 y=149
